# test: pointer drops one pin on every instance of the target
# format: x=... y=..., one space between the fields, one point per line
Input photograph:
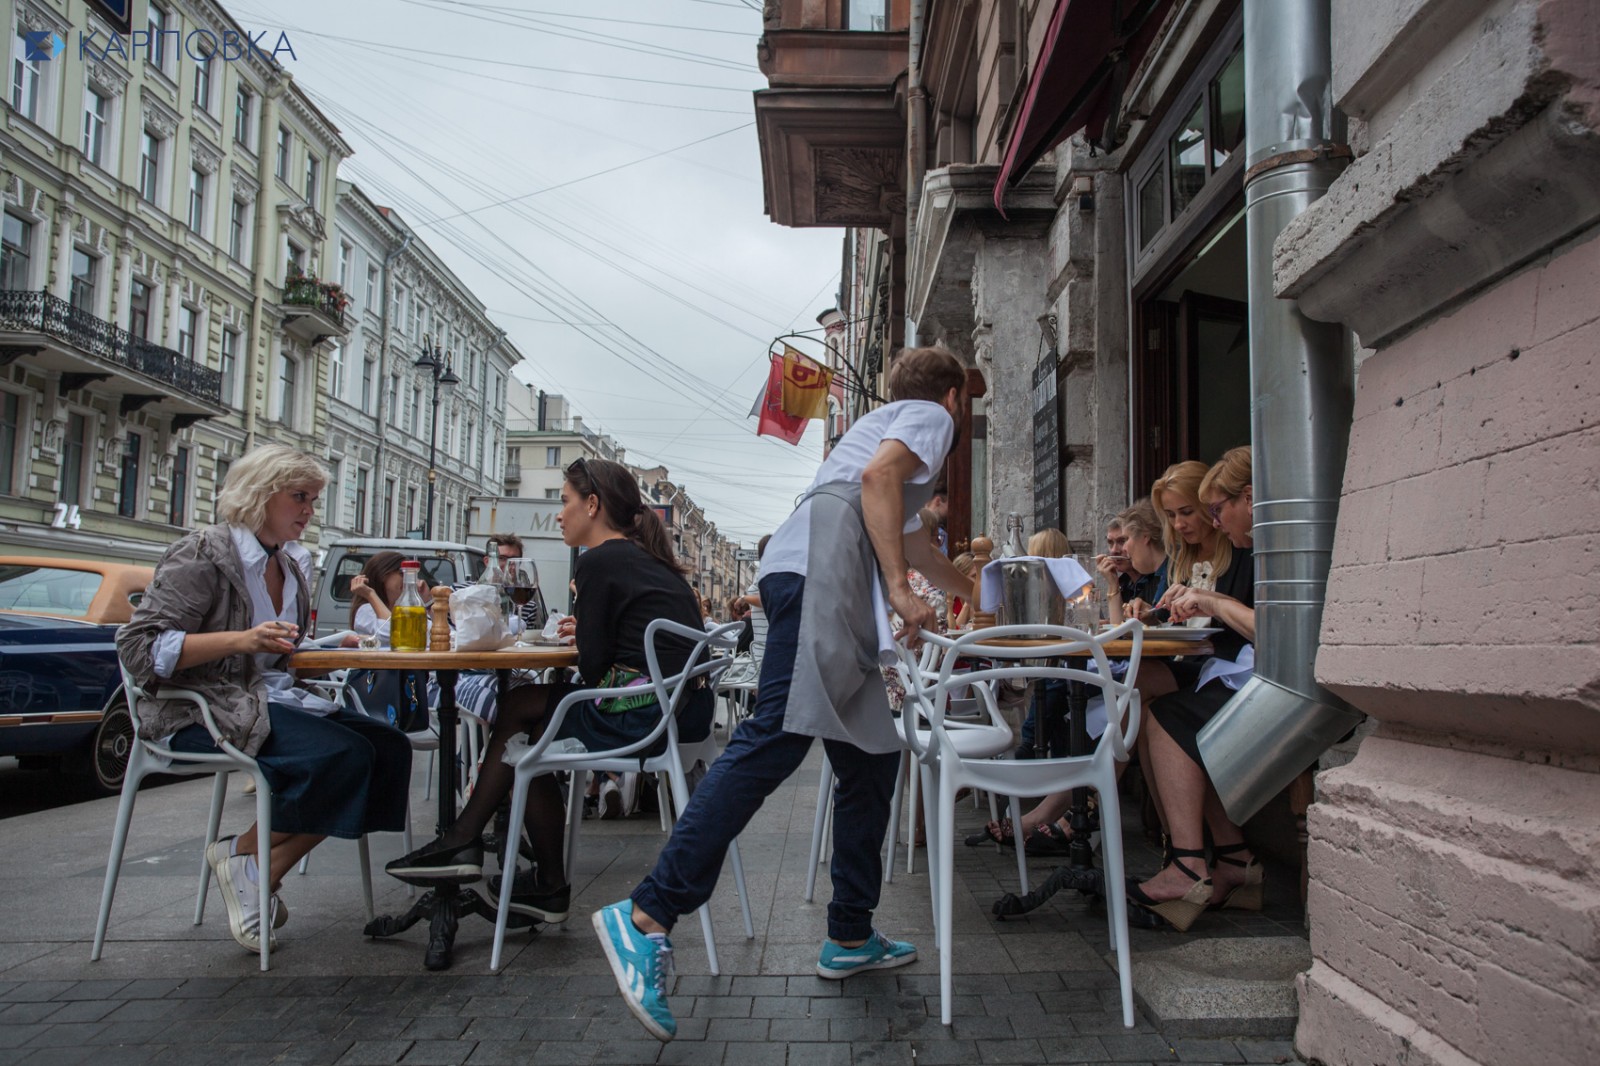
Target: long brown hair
x=377 y=570
x=624 y=506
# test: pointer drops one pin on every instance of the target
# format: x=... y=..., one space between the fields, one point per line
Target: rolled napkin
x=1065 y=572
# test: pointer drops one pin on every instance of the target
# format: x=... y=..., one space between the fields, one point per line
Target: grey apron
x=837 y=690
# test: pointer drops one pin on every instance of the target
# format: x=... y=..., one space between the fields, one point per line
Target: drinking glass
x=521 y=580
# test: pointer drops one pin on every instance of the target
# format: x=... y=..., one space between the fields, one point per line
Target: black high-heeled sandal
x=1246 y=896
x=1180 y=913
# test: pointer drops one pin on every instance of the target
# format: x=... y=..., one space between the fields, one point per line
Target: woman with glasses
x=1185 y=886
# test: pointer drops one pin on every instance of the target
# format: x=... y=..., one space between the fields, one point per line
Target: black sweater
x=622 y=589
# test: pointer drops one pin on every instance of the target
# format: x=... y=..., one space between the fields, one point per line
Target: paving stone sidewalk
x=1034 y=990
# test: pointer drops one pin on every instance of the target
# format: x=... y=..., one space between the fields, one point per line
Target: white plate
x=1177 y=633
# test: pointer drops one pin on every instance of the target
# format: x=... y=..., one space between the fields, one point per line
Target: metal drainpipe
x=1302 y=384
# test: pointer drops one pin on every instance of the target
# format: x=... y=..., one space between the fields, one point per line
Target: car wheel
x=110 y=749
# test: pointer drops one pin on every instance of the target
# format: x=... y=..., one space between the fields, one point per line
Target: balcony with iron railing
x=51 y=334
x=313 y=311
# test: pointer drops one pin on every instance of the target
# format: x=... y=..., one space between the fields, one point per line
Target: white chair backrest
x=1031 y=663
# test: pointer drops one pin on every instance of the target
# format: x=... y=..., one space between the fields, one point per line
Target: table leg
x=443 y=905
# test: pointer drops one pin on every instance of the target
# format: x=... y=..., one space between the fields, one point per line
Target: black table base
x=445 y=905
x=1057 y=735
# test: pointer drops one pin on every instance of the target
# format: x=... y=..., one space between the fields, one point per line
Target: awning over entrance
x=1079 y=77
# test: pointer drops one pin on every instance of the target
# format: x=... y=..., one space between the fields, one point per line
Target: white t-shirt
x=921 y=425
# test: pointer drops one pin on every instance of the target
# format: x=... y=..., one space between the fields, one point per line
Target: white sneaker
x=240 y=894
x=610 y=800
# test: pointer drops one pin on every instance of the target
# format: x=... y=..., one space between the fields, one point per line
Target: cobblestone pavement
x=1027 y=991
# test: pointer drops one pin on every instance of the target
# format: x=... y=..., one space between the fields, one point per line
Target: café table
x=442 y=906
x=1068 y=734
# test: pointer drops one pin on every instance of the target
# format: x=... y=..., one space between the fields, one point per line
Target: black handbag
x=399 y=697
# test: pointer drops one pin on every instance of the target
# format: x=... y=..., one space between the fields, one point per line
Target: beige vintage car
x=85 y=589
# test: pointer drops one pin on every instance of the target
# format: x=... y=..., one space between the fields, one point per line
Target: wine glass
x=521 y=578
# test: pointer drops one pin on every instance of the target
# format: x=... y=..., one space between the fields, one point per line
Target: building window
x=73 y=450
x=10 y=432
x=401 y=302
x=16 y=253
x=238 y=227
x=197 y=201
x=281 y=165
x=157 y=24
x=362 y=474
x=202 y=94
x=552 y=457
x=26 y=81
x=288 y=378
x=297 y=257
x=149 y=166
x=869 y=15
x=369 y=381
x=84 y=269
x=372 y=287
x=552 y=494
x=96 y=113
x=128 y=478
x=244 y=103
x=230 y=363
x=221 y=477
x=394 y=400
x=344 y=265
x=388 y=507
x=139 y=309
x=186 y=329
x=313 y=172
x=411 y=509
x=178 y=511
x=336 y=372
x=416 y=408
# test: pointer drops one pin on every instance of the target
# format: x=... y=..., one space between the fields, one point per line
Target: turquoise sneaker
x=641 y=964
x=878 y=953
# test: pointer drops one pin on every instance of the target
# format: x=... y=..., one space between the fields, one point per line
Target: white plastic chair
x=536 y=759
x=946 y=767
x=150 y=757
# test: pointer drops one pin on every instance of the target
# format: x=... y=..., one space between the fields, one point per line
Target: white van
x=443 y=563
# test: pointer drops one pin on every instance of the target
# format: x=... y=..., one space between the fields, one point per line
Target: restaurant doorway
x=1191 y=386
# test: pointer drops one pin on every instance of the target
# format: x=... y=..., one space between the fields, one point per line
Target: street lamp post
x=436 y=363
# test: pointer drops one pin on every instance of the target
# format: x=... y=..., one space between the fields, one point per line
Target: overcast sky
x=646 y=295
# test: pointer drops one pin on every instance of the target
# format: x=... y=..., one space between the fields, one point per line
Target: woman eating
x=226 y=607
x=627 y=578
x=1188 y=802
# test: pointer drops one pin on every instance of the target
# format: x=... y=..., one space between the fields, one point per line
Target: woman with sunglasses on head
x=626 y=577
x=1189 y=804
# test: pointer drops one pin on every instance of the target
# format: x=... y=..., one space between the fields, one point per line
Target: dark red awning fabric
x=1078 y=77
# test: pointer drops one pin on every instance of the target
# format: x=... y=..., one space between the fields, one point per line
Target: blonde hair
x=1141 y=519
x=1049 y=543
x=1230 y=476
x=253 y=479
x=930 y=523
x=1183 y=479
x=965 y=562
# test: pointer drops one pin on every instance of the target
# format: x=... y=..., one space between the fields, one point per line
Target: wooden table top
x=513 y=658
x=1116 y=649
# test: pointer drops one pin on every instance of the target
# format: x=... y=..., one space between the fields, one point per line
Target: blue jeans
x=760 y=756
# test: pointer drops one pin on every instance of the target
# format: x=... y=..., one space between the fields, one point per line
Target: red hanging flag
x=774 y=422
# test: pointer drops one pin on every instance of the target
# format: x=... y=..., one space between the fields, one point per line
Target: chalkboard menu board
x=1046 y=446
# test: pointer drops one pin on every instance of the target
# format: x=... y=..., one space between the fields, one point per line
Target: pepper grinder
x=439 y=635
x=981 y=547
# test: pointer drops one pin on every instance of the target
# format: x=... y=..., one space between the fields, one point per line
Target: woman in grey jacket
x=226 y=607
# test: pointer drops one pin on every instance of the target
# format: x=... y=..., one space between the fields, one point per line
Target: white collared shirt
x=253 y=561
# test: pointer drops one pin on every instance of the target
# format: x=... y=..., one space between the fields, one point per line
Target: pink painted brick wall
x=1467 y=558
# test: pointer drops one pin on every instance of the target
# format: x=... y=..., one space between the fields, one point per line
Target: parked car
x=71 y=588
x=61 y=700
x=443 y=562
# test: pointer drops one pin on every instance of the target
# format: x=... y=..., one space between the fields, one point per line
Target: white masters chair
x=536 y=758
x=150 y=757
x=946 y=767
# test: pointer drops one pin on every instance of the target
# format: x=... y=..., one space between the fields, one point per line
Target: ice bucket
x=1031 y=596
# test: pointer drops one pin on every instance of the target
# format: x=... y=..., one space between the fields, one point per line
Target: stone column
x=61 y=285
